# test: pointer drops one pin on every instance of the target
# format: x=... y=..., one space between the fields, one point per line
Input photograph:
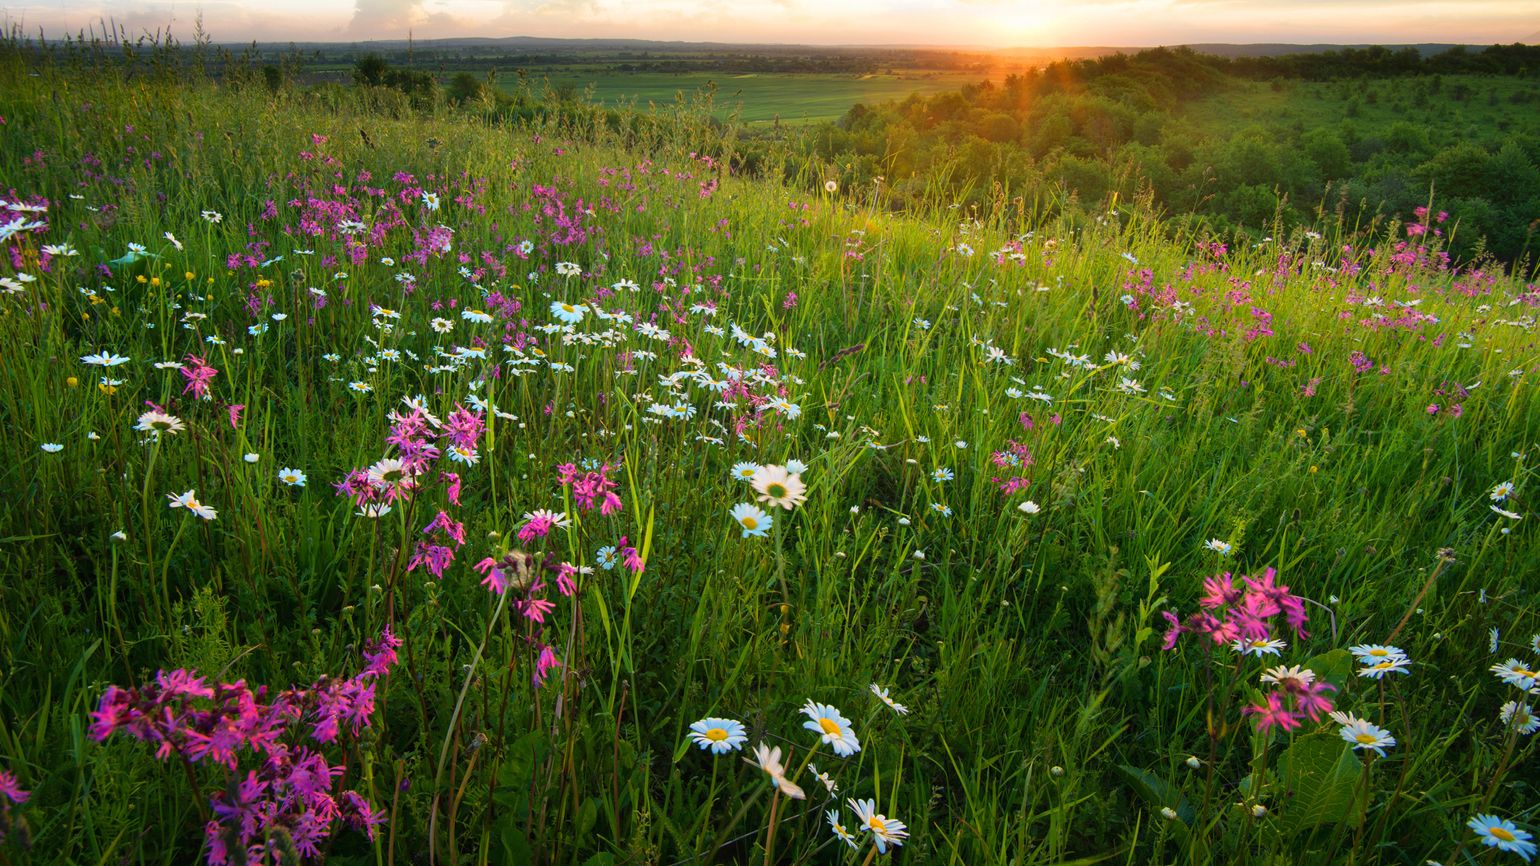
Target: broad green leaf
x=1320 y=776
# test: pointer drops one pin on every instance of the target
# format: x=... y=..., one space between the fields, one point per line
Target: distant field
x=792 y=97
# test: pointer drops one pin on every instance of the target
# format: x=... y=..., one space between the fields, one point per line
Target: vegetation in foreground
x=406 y=488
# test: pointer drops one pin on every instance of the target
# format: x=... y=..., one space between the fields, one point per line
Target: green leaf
x=1335 y=667
x=1157 y=793
x=1320 y=776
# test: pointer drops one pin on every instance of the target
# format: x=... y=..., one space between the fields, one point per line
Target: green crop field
x=751 y=97
x=398 y=477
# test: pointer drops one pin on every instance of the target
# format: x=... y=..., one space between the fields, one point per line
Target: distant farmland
x=791 y=97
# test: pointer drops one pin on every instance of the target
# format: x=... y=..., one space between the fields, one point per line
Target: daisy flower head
x=1029 y=507
x=51 y=447
x=885 y=831
x=768 y=758
x=751 y=519
x=390 y=474
x=1501 y=492
x=882 y=695
x=291 y=477
x=719 y=735
x=1521 y=717
x=1517 y=674
x=474 y=316
x=779 y=488
x=1373 y=652
x=832 y=728
x=104 y=359
x=1379 y=669
x=189 y=501
x=839 y=830
x=1364 y=735
x=828 y=782
x=1220 y=547
x=607 y=557
x=941 y=474
x=1294 y=677
x=1499 y=833
x=745 y=471
x=1259 y=647
x=158 y=423
x=567 y=313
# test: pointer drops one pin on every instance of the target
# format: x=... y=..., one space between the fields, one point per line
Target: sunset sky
x=932 y=22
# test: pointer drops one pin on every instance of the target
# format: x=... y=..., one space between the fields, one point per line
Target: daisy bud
x=1056 y=771
x=1258 y=810
x=119 y=537
x=1168 y=812
x=919 y=554
x=1193 y=762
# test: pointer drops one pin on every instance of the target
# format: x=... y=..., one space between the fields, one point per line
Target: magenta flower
x=11 y=789
x=198 y=374
x=1271 y=714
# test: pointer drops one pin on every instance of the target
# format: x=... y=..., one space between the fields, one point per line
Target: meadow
x=415 y=485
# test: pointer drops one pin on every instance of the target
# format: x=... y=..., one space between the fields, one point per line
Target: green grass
x=752 y=98
x=1045 y=725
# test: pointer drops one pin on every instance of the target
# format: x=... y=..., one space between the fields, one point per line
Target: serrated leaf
x=1335 y=667
x=1320 y=776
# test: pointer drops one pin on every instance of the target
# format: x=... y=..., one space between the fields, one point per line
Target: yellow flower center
x=1500 y=833
x=1366 y=739
x=1259 y=643
x=1378 y=653
x=716 y=735
x=567 y=307
x=749 y=522
x=876 y=825
x=777 y=491
x=829 y=727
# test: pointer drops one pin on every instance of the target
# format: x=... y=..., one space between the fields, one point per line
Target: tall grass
x=1045 y=722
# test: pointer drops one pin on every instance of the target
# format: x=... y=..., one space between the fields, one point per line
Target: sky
x=984 y=23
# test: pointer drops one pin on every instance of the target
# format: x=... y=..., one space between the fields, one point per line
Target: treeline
x=1148 y=125
x=1381 y=62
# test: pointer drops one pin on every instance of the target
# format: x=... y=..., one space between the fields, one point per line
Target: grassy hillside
x=376 y=493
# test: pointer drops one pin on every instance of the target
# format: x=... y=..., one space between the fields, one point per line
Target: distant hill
x=1220 y=49
x=1041 y=54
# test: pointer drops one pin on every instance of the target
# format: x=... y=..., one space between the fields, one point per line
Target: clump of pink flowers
x=1243 y=612
x=1296 y=694
x=288 y=797
x=591 y=489
x=11 y=794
